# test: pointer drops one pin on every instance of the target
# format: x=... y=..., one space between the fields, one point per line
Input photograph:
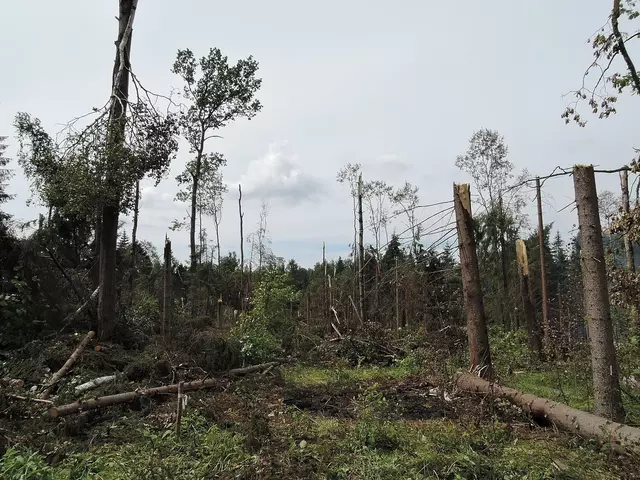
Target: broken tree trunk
x=606 y=385
x=67 y=365
x=572 y=419
x=100 y=402
x=479 y=353
x=533 y=332
x=96 y=382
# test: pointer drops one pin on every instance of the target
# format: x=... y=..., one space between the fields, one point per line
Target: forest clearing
x=456 y=338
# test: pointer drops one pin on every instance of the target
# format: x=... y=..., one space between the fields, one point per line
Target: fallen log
x=96 y=382
x=67 y=365
x=563 y=416
x=106 y=401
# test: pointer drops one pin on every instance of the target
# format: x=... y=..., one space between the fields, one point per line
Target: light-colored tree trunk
x=571 y=419
x=606 y=385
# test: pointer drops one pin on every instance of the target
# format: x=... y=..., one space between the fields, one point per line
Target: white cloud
x=278 y=175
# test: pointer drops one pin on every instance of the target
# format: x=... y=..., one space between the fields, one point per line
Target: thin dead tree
x=241 y=216
x=546 y=322
x=167 y=296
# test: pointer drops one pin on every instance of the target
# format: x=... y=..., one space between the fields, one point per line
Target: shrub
x=268 y=328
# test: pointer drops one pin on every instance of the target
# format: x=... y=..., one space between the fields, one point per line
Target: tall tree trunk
x=606 y=385
x=194 y=207
x=134 y=241
x=479 y=352
x=116 y=136
x=362 y=300
x=95 y=269
x=503 y=257
x=546 y=321
x=217 y=224
x=167 y=295
x=241 y=248
x=628 y=247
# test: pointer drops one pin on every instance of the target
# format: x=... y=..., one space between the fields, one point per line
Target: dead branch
x=100 y=402
x=29 y=399
x=68 y=364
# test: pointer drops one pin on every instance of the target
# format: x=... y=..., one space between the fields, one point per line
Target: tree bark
x=548 y=338
x=479 y=352
x=606 y=385
x=116 y=137
x=571 y=419
x=100 y=402
x=67 y=365
x=361 y=276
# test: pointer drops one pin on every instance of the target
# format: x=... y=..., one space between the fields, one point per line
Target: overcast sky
x=397 y=86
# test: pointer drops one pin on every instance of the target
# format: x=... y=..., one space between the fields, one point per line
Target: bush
x=214 y=353
x=268 y=328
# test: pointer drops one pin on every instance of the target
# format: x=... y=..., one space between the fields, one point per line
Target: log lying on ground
x=96 y=382
x=563 y=416
x=100 y=402
x=67 y=365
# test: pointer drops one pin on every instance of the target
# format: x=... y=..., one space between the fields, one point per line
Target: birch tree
x=216 y=93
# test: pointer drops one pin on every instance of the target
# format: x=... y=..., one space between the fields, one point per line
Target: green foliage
x=509 y=350
x=20 y=463
x=268 y=328
x=16 y=309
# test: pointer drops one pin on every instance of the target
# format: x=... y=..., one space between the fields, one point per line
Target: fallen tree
x=67 y=365
x=106 y=401
x=563 y=416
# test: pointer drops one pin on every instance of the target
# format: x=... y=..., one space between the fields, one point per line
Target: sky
x=399 y=87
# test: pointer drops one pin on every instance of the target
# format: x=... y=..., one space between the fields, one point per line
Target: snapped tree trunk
x=533 y=332
x=563 y=416
x=479 y=353
x=115 y=143
x=606 y=385
x=241 y=249
x=362 y=300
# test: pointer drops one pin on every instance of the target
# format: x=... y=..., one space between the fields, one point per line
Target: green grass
x=438 y=449
x=307 y=376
